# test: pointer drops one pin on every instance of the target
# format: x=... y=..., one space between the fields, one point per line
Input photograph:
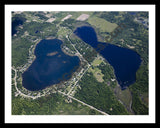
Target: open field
x=96 y=62
x=83 y=17
x=65 y=18
x=96 y=71
x=51 y=20
x=102 y=24
x=75 y=15
x=97 y=74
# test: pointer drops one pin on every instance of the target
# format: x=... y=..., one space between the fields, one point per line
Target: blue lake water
x=132 y=13
x=124 y=61
x=15 y=23
x=51 y=66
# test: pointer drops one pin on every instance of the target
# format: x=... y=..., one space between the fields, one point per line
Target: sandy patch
x=65 y=18
x=131 y=47
x=52 y=53
x=51 y=20
x=83 y=17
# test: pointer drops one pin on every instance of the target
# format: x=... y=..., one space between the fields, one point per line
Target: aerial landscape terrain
x=80 y=63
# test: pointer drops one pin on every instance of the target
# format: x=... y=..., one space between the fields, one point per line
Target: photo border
x=70 y=118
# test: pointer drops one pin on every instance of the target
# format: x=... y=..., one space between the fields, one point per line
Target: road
x=83 y=103
x=78 y=80
x=77 y=50
x=80 y=56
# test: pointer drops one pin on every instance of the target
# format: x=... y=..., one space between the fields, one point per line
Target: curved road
x=34 y=97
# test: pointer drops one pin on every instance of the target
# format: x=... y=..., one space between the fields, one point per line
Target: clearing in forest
x=102 y=24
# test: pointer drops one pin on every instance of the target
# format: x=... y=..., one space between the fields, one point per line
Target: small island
x=52 y=53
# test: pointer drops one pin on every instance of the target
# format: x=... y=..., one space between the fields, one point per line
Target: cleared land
x=65 y=18
x=96 y=71
x=96 y=62
x=102 y=24
x=83 y=17
x=97 y=74
x=51 y=20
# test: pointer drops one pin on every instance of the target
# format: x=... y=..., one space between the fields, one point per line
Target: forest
x=20 y=51
x=40 y=29
x=99 y=95
x=139 y=88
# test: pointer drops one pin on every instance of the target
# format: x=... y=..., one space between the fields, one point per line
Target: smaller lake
x=124 y=61
x=15 y=23
x=51 y=66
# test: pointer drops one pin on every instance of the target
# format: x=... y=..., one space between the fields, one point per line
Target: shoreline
x=32 y=57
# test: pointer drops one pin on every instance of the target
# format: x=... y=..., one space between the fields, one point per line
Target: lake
x=50 y=67
x=124 y=61
x=16 y=23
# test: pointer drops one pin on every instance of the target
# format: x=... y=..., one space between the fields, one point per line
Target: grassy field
x=96 y=71
x=96 y=62
x=75 y=15
x=102 y=24
x=97 y=74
